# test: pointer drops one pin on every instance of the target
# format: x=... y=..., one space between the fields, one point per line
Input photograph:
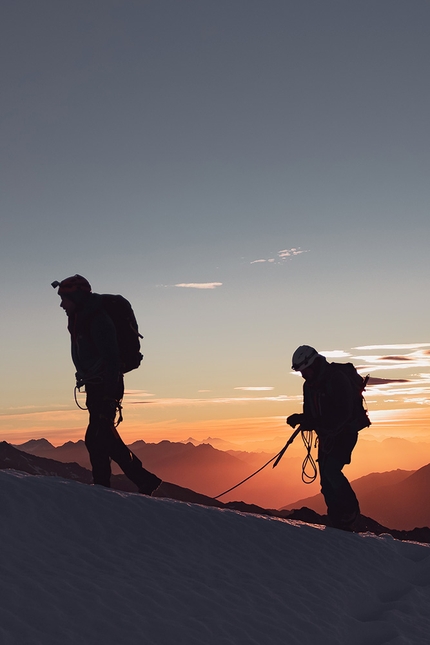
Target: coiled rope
x=308 y=461
x=75 y=394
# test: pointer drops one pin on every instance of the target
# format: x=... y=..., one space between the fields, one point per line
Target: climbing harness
x=120 y=417
x=118 y=406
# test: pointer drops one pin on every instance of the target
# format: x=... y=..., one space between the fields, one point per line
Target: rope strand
x=278 y=457
x=249 y=477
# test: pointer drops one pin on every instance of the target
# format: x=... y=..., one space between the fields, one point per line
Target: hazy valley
x=398 y=497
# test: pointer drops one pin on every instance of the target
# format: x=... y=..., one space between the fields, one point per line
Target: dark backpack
x=360 y=418
x=127 y=332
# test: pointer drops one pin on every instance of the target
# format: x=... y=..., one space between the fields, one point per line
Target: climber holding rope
x=333 y=407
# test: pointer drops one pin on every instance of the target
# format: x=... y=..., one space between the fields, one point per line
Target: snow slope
x=88 y=565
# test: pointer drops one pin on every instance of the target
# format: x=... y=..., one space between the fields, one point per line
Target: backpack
x=127 y=332
x=360 y=418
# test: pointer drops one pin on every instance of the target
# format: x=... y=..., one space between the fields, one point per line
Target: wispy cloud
x=375 y=380
x=335 y=353
x=198 y=285
x=396 y=358
x=411 y=359
x=137 y=393
x=254 y=389
x=33 y=409
x=409 y=363
x=403 y=391
x=400 y=346
x=232 y=400
x=281 y=256
x=377 y=362
x=288 y=253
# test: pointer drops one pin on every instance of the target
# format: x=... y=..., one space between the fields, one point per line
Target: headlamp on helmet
x=71 y=285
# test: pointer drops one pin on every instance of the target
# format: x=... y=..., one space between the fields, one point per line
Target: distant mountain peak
x=34 y=444
x=73 y=443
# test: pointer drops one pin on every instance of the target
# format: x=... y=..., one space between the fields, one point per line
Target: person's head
x=307 y=361
x=73 y=292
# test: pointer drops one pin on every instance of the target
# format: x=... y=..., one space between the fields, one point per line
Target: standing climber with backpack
x=333 y=407
x=104 y=345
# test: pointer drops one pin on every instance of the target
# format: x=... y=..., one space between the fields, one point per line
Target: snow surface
x=91 y=566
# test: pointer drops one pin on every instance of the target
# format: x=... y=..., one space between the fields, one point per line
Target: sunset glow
x=252 y=177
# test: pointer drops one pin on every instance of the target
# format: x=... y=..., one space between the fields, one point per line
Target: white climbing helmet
x=303 y=357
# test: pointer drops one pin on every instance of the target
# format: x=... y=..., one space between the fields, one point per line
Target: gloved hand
x=294 y=419
x=80 y=382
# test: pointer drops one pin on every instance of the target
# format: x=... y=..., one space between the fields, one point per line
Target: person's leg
x=342 y=503
x=97 y=446
x=132 y=467
x=104 y=443
x=96 y=439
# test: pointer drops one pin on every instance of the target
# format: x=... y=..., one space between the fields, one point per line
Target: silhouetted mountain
x=11 y=458
x=191 y=466
x=68 y=452
x=362 y=486
x=211 y=471
x=399 y=498
x=36 y=447
x=254 y=459
x=402 y=505
x=215 y=442
x=364 y=525
x=200 y=466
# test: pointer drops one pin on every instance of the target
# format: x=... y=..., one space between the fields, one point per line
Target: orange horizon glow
x=249 y=415
x=62 y=425
x=272 y=488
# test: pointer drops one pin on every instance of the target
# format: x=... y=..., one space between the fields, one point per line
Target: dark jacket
x=328 y=402
x=94 y=345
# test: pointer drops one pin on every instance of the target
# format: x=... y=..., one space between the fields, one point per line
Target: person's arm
x=305 y=419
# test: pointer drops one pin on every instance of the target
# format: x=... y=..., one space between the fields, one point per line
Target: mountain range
x=13 y=459
x=398 y=498
x=200 y=467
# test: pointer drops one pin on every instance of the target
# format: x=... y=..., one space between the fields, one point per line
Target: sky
x=251 y=175
x=98 y=565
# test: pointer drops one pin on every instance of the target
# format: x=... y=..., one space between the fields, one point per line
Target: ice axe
x=289 y=442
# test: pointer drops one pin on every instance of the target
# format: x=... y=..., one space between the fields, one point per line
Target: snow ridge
x=83 y=564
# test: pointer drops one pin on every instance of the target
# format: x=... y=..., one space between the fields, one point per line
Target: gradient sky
x=251 y=175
